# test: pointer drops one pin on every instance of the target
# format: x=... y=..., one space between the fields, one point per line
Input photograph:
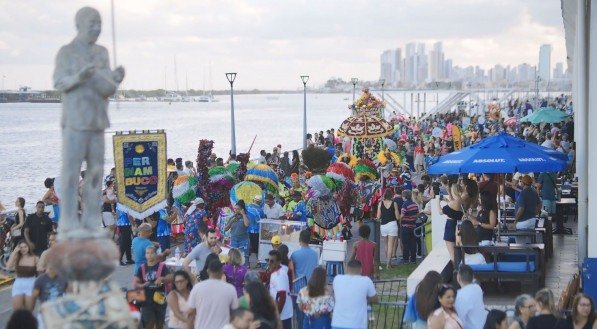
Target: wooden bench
x=514 y=262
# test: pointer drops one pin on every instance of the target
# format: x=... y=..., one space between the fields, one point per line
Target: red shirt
x=364 y=251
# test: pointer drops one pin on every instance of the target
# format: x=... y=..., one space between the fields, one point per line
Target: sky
x=270 y=43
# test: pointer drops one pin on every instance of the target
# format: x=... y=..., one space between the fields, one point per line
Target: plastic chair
x=333 y=269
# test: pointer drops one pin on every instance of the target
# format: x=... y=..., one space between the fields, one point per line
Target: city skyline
x=270 y=44
x=418 y=68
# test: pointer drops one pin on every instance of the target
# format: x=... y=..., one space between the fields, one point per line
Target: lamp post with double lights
x=304 y=79
x=231 y=77
x=354 y=87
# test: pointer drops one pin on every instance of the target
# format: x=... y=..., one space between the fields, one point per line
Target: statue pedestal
x=84 y=259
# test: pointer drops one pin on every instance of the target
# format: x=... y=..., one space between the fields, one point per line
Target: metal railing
x=389 y=312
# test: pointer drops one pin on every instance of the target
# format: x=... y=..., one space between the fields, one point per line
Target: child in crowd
x=364 y=252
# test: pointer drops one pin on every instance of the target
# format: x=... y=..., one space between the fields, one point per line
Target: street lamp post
x=304 y=78
x=383 y=98
x=354 y=87
x=231 y=77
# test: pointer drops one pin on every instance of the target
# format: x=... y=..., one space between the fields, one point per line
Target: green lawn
x=397 y=272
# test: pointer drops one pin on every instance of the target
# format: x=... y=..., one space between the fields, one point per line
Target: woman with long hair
x=424 y=298
x=262 y=305
x=583 y=313
x=445 y=317
x=468 y=237
x=524 y=308
x=486 y=219
x=24 y=262
x=203 y=275
x=496 y=319
x=50 y=198
x=296 y=161
x=16 y=230
x=316 y=301
x=180 y=315
x=548 y=315
x=235 y=270
x=388 y=214
x=454 y=212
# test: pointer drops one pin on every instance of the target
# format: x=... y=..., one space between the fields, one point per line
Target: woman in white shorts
x=24 y=263
x=388 y=214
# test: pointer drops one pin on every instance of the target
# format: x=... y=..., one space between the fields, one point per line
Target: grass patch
x=397 y=272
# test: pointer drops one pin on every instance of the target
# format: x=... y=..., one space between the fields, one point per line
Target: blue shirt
x=305 y=261
x=255 y=213
x=163 y=228
x=301 y=210
x=139 y=246
x=123 y=218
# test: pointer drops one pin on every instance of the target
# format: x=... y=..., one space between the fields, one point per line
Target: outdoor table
x=562 y=207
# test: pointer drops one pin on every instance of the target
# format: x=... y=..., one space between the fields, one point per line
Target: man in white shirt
x=271 y=208
x=469 y=300
x=548 y=142
x=352 y=293
x=261 y=159
x=279 y=288
x=213 y=299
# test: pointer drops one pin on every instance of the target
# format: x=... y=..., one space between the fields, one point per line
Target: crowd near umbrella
x=545 y=115
x=496 y=155
x=510 y=121
x=365 y=126
x=246 y=191
x=263 y=174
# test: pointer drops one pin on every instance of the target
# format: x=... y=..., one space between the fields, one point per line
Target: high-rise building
x=545 y=62
x=422 y=64
x=410 y=63
x=558 y=71
x=391 y=66
x=436 y=62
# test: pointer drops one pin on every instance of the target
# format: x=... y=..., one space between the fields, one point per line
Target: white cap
x=198 y=201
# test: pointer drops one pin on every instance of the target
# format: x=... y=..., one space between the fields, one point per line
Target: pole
x=305 y=115
x=232 y=127
x=411 y=104
x=354 y=87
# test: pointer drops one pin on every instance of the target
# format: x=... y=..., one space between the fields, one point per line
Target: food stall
x=289 y=232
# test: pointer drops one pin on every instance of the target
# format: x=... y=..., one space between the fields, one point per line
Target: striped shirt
x=409 y=213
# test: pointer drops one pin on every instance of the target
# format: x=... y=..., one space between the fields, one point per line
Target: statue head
x=89 y=24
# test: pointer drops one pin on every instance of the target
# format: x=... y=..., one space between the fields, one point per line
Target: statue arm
x=65 y=79
x=104 y=80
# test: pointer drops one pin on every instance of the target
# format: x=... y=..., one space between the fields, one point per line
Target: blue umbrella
x=500 y=154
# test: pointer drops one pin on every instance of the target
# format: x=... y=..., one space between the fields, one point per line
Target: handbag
x=136 y=296
x=16 y=232
x=159 y=298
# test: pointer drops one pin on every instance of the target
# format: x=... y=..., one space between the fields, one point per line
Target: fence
x=389 y=312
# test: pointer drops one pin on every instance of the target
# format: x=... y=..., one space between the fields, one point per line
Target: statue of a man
x=84 y=77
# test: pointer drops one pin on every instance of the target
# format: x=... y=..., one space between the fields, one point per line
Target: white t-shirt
x=350 y=294
x=213 y=300
x=469 y=306
x=274 y=212
x=279 y=282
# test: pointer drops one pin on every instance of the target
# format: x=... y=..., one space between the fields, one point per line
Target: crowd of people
x=393 y=189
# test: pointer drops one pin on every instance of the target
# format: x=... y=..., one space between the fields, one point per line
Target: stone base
x=84 y=259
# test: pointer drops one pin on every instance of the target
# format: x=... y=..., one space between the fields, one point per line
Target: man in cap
x=276 y=242
x=528 y=205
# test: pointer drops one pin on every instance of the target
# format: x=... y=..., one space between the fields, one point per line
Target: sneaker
x=419 y=256
x=123 y=263
x=130 y=262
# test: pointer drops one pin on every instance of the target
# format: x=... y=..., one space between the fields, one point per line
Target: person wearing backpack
x=155 y=279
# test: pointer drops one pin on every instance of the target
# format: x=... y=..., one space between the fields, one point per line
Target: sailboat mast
x=176 y=75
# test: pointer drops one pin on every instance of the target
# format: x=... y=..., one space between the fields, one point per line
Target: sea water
x=30 y=137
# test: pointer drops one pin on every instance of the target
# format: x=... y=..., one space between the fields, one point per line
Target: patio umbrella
x=545 y=115
x=499 y=154
x=365 y=126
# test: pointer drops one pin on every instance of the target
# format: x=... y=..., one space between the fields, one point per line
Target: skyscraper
x=410 y=63
x=391 y=66
x=545 y=62
x=436 y=62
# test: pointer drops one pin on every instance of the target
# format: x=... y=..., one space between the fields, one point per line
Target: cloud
x=270 y=43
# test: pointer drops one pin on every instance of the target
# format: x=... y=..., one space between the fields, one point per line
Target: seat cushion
x=515 y=266
x=482 y=267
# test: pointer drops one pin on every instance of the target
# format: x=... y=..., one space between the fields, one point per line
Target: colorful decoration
x=265 y=175
x=340 y=171
x=365 y=126
x=368 y=104
x=396 y=158
x=365 y=169
x=203 y=153
x=320 y=186
x=183 y=189
x=366 y=148
x=325 y=212
x=246 y=191
x=348 y=159
x=225 y=214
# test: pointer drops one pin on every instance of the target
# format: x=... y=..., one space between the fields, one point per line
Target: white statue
x=84 y=77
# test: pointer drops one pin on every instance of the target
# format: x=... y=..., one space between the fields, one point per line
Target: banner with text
x=140 y=161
